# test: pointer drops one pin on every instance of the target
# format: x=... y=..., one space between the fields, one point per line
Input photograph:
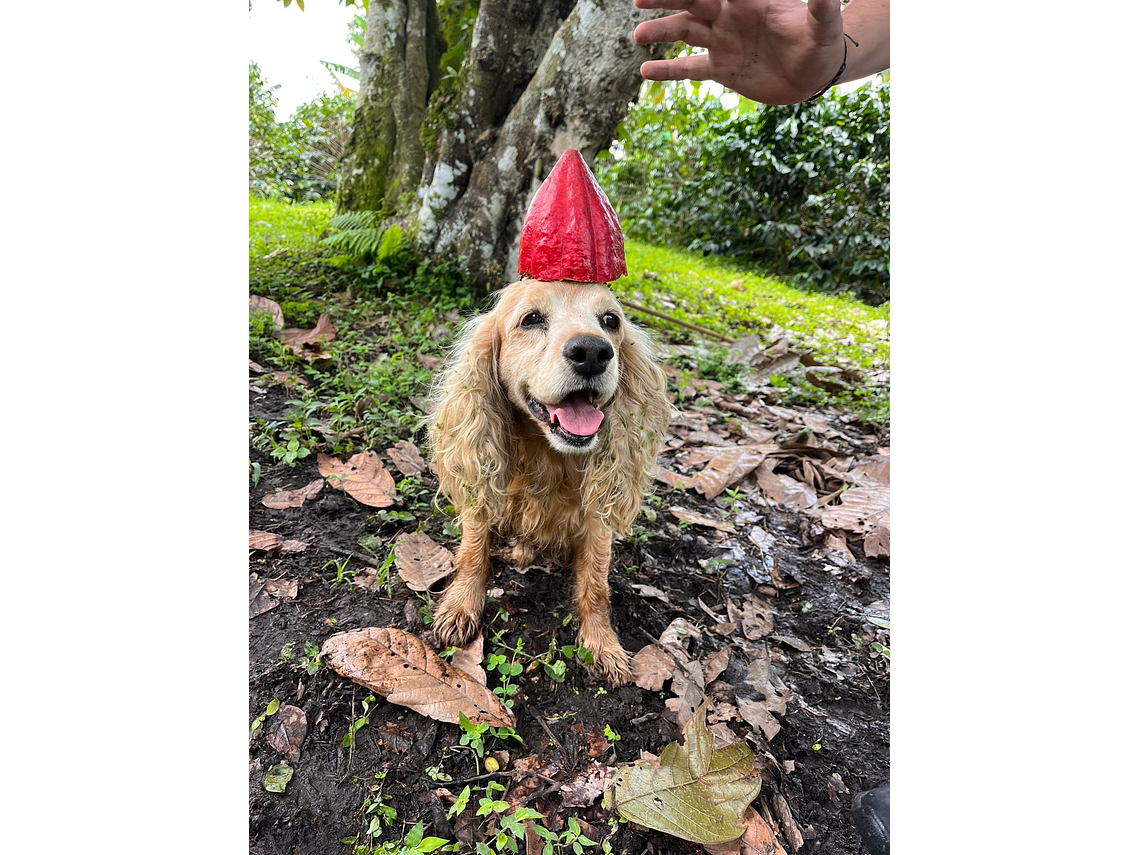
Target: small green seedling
x=349 y=740
x=269 y=710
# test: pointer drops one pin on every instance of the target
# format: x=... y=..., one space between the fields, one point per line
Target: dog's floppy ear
x=619 y=472
x=469 y=428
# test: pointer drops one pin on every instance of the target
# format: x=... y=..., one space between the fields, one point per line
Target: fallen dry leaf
x=715 y=664
x=692 y=791
x=469 y=659
x=265 y=541
x=421 y=561
x=758 y=839
x=700 y=519
x=877 y=542
x=260 y=601
x=782 y=489
x=308 y=344
x=587 y=786
x=788 y=823
x=651 y=667
x=678 y=634
x=282 y=589
x=363 y=477
x=756 y=618
x=263 y=305
x=861 y=509
x=650 y=592
x=406 y=457
x=671 y=479
x=400 y=667
x=293 y=498
x=726 y=469
x=762 y=695
x=287 y=732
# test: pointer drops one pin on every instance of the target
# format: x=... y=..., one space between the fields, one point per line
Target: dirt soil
x=833 y=740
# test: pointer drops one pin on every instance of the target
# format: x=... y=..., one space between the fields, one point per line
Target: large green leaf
x=692 y=791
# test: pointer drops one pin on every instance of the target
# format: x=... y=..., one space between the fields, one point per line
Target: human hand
x=772 y=51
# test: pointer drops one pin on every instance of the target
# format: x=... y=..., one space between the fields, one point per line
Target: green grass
x=275 y=225
x=736 y=301
x=374 y=370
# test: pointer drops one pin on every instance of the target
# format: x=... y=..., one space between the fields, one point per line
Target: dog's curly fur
x=510 y=474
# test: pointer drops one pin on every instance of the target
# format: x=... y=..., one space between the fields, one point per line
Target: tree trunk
x=538 y=79
x=399 y=70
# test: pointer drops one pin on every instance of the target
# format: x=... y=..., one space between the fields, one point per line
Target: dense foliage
x=805 y=190
x=296 y=159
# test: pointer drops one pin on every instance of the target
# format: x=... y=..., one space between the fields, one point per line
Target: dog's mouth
x=574 y=419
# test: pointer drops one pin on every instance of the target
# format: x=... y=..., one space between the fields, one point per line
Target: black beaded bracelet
x=838 y=74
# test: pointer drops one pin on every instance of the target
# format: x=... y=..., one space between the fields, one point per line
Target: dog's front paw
x=610 y=659
x=456 y=621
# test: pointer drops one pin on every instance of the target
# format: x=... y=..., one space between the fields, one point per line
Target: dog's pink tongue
x=578 y=416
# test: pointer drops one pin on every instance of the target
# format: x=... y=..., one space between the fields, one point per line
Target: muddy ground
x=833 y=740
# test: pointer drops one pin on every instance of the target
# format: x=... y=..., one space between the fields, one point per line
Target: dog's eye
x=610 y=321
x=534 y=319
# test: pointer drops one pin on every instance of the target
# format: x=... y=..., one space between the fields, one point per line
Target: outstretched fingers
x=681 y=68
x=706 y=10
x=675 y=28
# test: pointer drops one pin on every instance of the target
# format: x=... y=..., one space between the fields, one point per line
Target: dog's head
x=563 y=356
x=560 y=357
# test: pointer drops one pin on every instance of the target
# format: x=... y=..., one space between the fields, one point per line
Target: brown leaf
x=877 y=543
x=263 y=305
x=757 y=618
x=861 y=509
x=726 y=469
x=650 y=592
x=678 y=634
x=308 y=344
x=469 y=660
x=293 y=498
x=715 y=664
x=585 y=788
x=672 y=479
x=700 y=519
x=782 y=489
x=282 y=589
x=259 y=599
x=421 y=561
x=400 y=667
x=289 y=547
x=788 y=822
x=761 y=693
x=287 y=732
x=263 y=541
x=406 y=458
x=758 y=839
x=651 y=667
x=363 y=477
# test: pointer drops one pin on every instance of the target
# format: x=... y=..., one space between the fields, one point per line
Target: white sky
x=289 y=44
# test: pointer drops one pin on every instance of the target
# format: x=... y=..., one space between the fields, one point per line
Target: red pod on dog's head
x=571 y=231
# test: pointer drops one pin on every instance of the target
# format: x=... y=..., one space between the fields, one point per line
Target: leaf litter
x=398 y=666
x=692 y=791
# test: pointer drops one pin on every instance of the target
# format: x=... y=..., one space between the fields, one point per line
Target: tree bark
x=538 y=79
x=399 y=70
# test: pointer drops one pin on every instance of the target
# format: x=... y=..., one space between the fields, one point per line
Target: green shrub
x=804 y=190
x=297 y=159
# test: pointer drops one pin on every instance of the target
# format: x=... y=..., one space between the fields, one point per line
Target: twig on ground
x=702 y=330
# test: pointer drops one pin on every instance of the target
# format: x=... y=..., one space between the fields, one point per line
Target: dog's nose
x=589 y=354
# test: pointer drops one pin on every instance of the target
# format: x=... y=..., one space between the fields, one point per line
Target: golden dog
x=546 y=427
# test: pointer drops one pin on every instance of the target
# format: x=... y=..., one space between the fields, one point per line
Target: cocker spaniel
x=546 y=427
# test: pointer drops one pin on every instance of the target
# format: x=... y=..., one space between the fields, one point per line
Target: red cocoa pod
x=571 y=231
